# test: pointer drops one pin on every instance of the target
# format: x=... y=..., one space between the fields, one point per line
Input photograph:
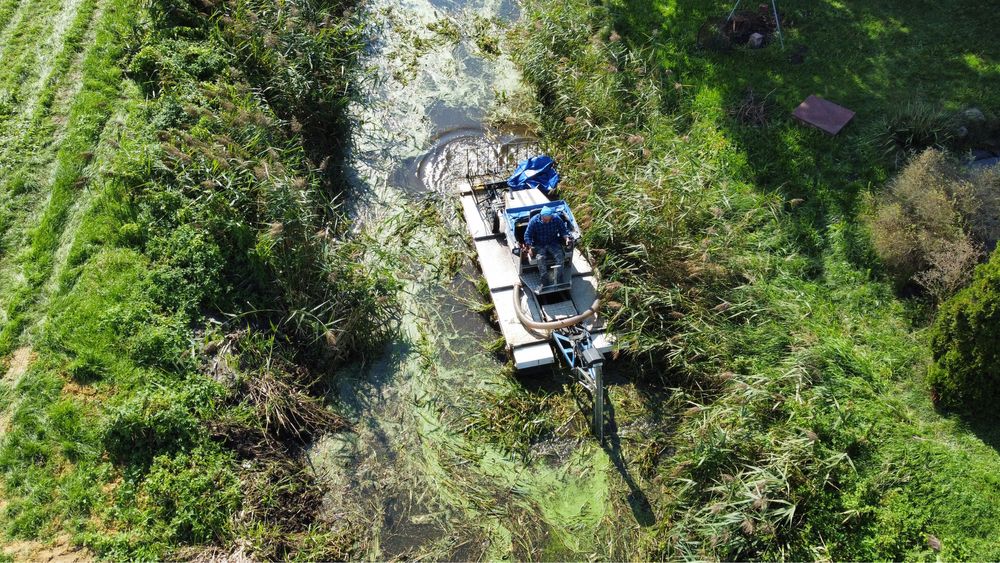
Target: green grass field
x=747 y=283
x=158 y=218
x=178 y=289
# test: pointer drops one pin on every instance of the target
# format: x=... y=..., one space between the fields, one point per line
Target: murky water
x=408 y=467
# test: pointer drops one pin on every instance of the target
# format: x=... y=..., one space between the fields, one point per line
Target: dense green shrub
x=190 y=496
x=149 y=425
x=966 y=345
x=188 y=269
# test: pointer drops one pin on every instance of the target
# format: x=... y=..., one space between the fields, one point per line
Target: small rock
x=974 y=115
x=933 y=542
x=756 y=41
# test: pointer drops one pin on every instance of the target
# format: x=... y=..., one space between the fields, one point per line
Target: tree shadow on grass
x=988 y=432
x=986 y=428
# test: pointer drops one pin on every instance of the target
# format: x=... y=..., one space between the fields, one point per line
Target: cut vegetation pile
x=737 y=252
x=177 y=279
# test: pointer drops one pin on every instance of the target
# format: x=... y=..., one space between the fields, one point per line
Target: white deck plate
x=580 y=265
x=463 y=186
x=477 y=228
x=533 y=355
x=603 y=341
x=513 y=331
x=524 y=198
x=497 y=264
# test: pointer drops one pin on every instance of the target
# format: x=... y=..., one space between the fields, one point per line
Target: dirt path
x=59 y=551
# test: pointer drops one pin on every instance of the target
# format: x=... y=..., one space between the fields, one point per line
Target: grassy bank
x=182 y=285
x=799 y=425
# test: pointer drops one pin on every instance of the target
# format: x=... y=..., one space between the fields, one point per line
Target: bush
x=187 y=271
x=144 y=427
x=931 y=225
x=190 y=497
x=966 y=370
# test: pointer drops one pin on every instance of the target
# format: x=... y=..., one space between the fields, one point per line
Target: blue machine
x=535 y=172
x=546 y=308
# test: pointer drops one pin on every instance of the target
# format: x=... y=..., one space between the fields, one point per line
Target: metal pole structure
x=733 y=11
x=777 y=22
x=598 y=402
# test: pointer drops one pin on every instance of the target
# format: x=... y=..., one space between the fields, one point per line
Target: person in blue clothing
x=545 y=237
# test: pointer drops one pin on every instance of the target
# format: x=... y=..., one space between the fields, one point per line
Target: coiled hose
x=552 y=325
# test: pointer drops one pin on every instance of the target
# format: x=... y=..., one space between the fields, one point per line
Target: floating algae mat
x=411 y=466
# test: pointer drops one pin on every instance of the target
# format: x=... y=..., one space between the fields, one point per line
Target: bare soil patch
x=17 y=364
x=60 y=551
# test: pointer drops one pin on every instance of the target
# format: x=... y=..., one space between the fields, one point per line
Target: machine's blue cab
x=516 y=223
x=516 y=220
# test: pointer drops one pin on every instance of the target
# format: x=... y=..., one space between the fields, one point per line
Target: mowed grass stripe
x=20 y=49
x=55 y=100
x=26 y=154
x=65 y=43
x=35 y=130
x=20 y=71
x=8 y=8
x=88 y=115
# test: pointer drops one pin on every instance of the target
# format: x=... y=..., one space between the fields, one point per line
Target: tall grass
x=781 y=353
x=205 y=291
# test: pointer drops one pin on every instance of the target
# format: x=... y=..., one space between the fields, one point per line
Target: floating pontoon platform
x=528 y=347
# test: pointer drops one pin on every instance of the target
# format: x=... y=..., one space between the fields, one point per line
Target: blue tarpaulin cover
x=535 y=172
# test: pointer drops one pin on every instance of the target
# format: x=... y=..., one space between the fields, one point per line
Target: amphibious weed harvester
x=540 y=321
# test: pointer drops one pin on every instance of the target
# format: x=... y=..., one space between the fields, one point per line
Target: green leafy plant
x=965 y=374
x=190 y=496
x=913 y=127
